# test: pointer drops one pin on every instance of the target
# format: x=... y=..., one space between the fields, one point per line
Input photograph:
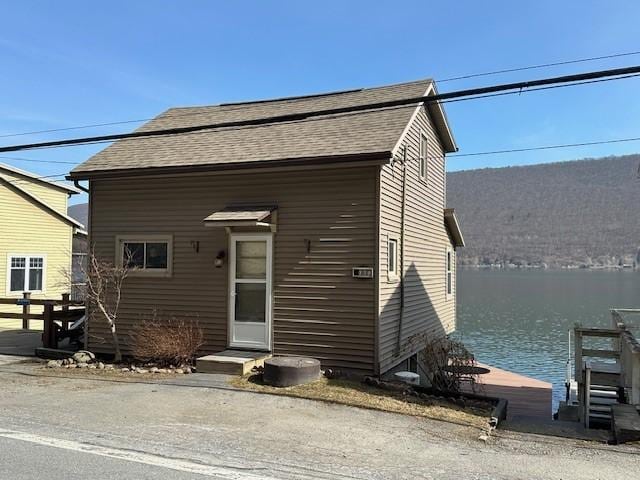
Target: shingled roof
x=366 y=133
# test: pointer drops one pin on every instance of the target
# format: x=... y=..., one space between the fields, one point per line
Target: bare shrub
x=447 y=363
x=167 y=341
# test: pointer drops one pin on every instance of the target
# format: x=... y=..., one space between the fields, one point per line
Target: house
x=309 y=237
x=36 y=236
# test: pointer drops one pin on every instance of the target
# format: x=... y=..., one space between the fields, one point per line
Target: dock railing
x=629 y=352
x=621 y=368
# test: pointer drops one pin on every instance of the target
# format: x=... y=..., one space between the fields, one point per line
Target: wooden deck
x=527 y=396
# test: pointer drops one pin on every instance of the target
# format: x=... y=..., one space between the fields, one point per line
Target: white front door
x=250 y=291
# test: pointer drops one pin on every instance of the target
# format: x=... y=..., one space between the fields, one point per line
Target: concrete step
x=231 y=362
x=625 y=423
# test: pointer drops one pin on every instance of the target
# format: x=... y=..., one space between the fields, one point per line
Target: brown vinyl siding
x=319 y=310
x=426 y=308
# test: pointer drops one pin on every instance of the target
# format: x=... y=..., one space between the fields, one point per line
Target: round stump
x=289 y=371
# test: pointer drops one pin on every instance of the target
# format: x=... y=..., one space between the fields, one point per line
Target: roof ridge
x=36 y=178
x=303 y=97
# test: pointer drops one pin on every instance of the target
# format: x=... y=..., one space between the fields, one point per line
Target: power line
x=546 y=147
x=22 y=159
x=542 y=65
x=455 y=155
x=450 y=79
x=474 y=92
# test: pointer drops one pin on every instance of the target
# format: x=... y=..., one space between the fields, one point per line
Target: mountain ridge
x=578 y=213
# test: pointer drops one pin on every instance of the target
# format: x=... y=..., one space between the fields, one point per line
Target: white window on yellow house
x=26 y=273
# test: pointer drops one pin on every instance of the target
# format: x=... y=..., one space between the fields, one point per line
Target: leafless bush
x=447 y=363
x=167 y=341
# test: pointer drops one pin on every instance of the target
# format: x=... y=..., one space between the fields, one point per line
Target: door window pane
x=250 y=302
x=156 y=255
x=251 y=259
x=133 y=254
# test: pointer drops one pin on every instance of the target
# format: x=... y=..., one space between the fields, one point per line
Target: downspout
x=80 y=187
x=402 y=228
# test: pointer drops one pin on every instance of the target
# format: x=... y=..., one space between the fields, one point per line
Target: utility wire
x=455 y=155
x=450 y=79
x=519 y=86
x=542 y=65
x=22 y=159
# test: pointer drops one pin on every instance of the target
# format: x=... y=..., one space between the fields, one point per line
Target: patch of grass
x=357 y=394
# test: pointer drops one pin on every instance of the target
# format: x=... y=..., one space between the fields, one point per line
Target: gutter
x=380 y=157
x=78 y=186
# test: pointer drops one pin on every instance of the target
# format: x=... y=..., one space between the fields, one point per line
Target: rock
x=92 y=366
x=108 y=366
x=484 y=438
x=186 y=369
x=163 y=370
x=153 y=370
x=142 y=370
x=100 y=366
x=82 y=365
x=54 y=363
x=83 y=357
x=178 y=370
x=124 y=370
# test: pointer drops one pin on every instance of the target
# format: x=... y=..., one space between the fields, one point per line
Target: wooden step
x=625 y=423
x=231 y=362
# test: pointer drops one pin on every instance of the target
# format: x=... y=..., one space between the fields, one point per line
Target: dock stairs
x=608 y=381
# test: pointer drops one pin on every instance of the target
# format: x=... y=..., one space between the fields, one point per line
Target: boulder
x=83 y=356
x=54 y=363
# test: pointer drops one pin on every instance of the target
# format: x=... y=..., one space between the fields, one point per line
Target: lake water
x=518 y=319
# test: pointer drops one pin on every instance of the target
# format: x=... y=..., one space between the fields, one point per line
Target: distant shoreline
x=616 y=268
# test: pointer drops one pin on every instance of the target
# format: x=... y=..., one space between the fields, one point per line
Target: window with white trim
x=449 y=269
x=392 y=258
x=146 y=254
x=422 y=163
x=26 y=273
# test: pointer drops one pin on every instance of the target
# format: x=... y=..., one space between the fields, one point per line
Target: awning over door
x=243 y=216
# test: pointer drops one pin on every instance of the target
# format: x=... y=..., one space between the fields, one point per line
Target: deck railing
x=56 y=314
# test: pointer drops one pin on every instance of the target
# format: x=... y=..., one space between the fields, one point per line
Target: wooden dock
x=527 y=396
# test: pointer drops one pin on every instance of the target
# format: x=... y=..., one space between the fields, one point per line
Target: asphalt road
x=24 y=460
x=65 y=428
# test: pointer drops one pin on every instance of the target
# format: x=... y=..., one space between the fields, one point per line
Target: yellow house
x=36 y=237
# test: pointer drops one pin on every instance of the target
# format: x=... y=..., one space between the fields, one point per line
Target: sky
x=72 y=63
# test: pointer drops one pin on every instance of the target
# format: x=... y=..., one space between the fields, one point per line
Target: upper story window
x=146 y=255
x=423 y=158
x=26 y=273
x=449 y=269
x=392 y=258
